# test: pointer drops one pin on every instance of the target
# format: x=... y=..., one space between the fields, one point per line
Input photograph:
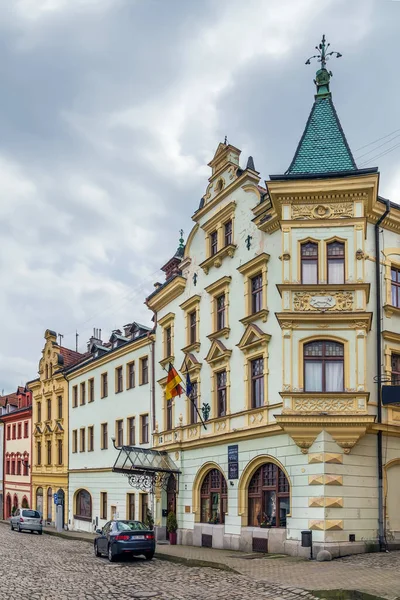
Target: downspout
x=381 y=525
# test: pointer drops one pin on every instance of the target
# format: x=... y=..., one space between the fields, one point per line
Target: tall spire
x=323 y=147
x=323 y=76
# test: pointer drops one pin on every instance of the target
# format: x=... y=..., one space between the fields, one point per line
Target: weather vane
x=323 y=55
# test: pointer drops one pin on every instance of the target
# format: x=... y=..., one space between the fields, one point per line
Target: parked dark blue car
x=125 y=537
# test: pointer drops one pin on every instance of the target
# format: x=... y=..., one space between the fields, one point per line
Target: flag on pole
x=189 y=386
x=173 y=387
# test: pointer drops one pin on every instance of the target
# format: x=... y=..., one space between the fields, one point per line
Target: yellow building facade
x=50 y=428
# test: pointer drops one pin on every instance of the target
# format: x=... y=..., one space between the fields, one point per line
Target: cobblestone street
x=47 y=567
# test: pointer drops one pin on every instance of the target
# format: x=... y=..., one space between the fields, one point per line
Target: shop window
x=214 y=498
x=83 y=505
x=268 y=497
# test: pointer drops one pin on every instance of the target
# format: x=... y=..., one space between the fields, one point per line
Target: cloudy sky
x=109 y=113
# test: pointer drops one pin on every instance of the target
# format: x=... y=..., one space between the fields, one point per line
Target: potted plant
x=172 y=526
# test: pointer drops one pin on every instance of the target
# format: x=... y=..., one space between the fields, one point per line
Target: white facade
x=90 y=468
x=323 y=443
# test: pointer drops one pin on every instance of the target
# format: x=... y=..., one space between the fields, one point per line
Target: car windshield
x=33 y=514
x=130 y=526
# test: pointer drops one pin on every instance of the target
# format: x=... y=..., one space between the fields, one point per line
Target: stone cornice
x=167 y=294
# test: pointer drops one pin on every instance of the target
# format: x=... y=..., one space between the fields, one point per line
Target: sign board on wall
x=233 y=462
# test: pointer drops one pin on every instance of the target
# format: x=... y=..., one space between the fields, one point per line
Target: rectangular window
x=144 y=420
x=39 y=453
x=91 y=390
x=169 y=415
x=220 y=301
x=256 y=293
x=395 y=362
x=8 y=466
x=48 y=453
x=60 y=407
x=60 y=451
x=103 y=505
x=104 y=436
x=75 y=441
x=131 y=507
x=168 y=341
x=323 y=367
x=14 y=432
x=395 y=277
x=193 y=400
x=144 y=364
x=221 y=393
x=49 y=409
x=131 y=431
x=144 y=506
x=9 y=432
x=82 y=439
x=309 y=263
x=131 y=375
x=13 y=466
x=19 y=466
x=257 y=382
x=335 y=258
x=214 y=243
x=228 y=233
x=119 y=432
x=192 y=327
x=104 y=385
x=118 y=380
x=75 y=396
x=90 y=433
x=39 y=412
x=19 y=431
x=26 y=429
x=25 y=466
x=83 y=393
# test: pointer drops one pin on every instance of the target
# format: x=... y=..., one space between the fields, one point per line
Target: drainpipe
x=381 y=516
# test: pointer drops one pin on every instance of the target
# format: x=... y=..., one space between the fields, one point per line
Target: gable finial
x=226 y=140
x=323 y=76
x=181 y=244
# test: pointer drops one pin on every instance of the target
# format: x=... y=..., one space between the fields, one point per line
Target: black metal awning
x=145 y=468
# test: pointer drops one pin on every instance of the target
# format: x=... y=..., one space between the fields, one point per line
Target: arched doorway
x=268 y=497
x=83 y=505
x=39 y=500
x=15 y=502
x=49 y=504
x=8 y=506
x=213 y=498
x=24 y=503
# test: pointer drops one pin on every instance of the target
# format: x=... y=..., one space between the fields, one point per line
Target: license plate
x=138 y=537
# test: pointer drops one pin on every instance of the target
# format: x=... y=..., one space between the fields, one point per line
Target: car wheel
x=111 y=555
x=40 y=532
x=149 y=555
x=19 y=528
x=12 y=526
x=96 y=550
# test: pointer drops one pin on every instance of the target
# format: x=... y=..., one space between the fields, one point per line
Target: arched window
x=49 y=503
x=39 y=500
x=25 y=503
x=309 y=262
x=269 y=497
x=15 y=501
x=8 y=505
x=335 y=258
x=323 y=366
x=214 y=497
x=83 y=505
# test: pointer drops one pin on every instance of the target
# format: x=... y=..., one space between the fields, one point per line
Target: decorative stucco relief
x=322 y=211
x=324 y=404
x=336 y=301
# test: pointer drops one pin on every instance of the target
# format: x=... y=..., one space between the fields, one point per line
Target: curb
x=188 y=562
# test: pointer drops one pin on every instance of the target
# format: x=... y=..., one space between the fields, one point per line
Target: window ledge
x=216 y=259
x=165 y=361
x=391 y=310
x=261 y=314
x=191 y=347
x=224 y=332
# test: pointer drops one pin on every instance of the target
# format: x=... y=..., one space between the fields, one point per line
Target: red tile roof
x=10 y=398
x=71 y=357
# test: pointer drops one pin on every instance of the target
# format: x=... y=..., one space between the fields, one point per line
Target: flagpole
x=191 y=400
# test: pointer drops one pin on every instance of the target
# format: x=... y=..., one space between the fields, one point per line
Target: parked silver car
x=26 y=519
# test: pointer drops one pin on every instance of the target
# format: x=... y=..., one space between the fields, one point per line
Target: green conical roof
x=323 y=147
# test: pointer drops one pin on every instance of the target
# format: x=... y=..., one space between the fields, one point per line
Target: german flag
x=173 y=387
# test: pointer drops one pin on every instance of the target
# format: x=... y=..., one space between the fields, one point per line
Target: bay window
x=323 y=366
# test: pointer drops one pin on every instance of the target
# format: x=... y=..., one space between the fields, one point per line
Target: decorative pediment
x=253 y=339
x=190 y=364
x=217 y=353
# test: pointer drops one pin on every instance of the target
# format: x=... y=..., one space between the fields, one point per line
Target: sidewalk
x=376 y=574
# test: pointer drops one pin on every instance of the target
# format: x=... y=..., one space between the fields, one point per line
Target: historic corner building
x=111 y=398
x=274 y=311
x=16 y=417
x=50 y=428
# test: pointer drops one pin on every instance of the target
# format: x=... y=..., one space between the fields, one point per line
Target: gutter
x=381 y=516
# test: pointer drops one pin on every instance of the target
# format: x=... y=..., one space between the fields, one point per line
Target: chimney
x=127 y=329
x=95 y=338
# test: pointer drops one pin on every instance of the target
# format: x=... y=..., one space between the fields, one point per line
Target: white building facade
x=271 y=308
x=110 y=406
